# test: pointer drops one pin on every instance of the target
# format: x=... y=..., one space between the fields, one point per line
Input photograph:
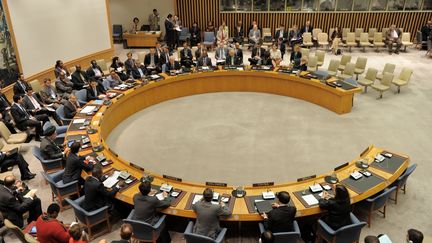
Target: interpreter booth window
x=228 y=5
x=327 y=5
x=378 y=5
x=344 y=5
x=309 y=5
x=361 y=5
x=244 y=5
x=427 y=5
x=260 y=5
x=8 y=62
x=395 y=5
x=293 y=5
x=412 y=5
x=277 y=5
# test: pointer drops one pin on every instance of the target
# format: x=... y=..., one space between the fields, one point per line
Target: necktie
x=151 y=60
x=205 y=61
x=95 y=91
x=34 y=102
x=221 y=56
x=82 y=77
x=23 y=86
x=232 y=60
x=167 y=58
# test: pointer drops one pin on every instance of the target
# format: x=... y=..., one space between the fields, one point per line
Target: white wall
x=48 y=30
x=123 y=11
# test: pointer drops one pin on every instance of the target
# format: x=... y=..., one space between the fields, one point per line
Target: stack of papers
x=88 y=109
x=78 y=121
x=310 y=199
x=160 y=196
x=166 y=187
x=268 y=195
x=112 y=180
x=379 y=158
x=98 y=102
x=316 y=188
x=197 y=198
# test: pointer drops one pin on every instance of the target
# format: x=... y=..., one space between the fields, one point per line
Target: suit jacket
x=175 y=66
x=183 y=54
x=198 y=53
x=338 y=213
x=294 y=34
x=49 y=149
x=389 y=32
x=233 y=59
x=255 y=52
x=146 y=207
x=147 y=60
x=238 y=34
x=91 y=73
x=254 y=35
x=163 y=59
x=69 y=110
x=96 y=195
x=28 y=105
x=239 y=54
x=201 y=61
x=303 y=29
x=18 y=88
x=57 y=72
x=207 y=222
x=19 y=116
x=45 y=94
x=129 y=63
x=284 y=35
x=280 y=219
x=4 y=104
x=295 y=56
x=74 y=166
x=13 y=205
x=79 y=78
x=91 y=94
x=169 y=28
x=63 y=87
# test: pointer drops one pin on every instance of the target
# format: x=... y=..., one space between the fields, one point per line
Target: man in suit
x=71 y=107
x=172 y=64
x=208 y=214
x=170 y=32
x=220 y=54
x=295 y=37
x=281 y=217
x=258 y=55
x=232 y=59
x=307 y=28
x=186 y=56
x=204 y=60
x=94 y=71
x=238 y=52
x=158 y=49
x=79 y=78
x=112 y=80
x=132 y=69
x=5 y=116
x=49 y=95
x=20 y=85
x=254 y=35
x=96 y=195
x=13 y=204
x=147 y=207
x=63 y=85
x=394 y=36
x=75 y=164
x=126 y=232
x=49 y=148
x=23 y=119
x=95 y=91
x=199 y=51
x=35 y=107
x=151 y=62
x=281 y=38
x=11 y=158
x=165 y=55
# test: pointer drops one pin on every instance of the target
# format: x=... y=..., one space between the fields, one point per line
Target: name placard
x=220 y=184
x=364 y=151
x=341 y=166
x=137 y=167
x=172 y=178
x=270 y=183
x=306 y=178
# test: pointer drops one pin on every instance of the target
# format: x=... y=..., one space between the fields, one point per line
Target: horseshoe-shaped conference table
x=108 y=115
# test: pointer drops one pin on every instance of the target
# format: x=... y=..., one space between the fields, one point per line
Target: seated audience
x=60 y=68
x=267 y=237
x=94 y=71
x=71 y=107
x=238 y=33
x=49 y=148
x=281 y=217
x=254 y=22
x=49 y=95
x=119 y=68
x=13 y=157
x=296 y=55
x=126 y=232
x=307 y=27
x=95 y=90
x=49 y=228
x=75 y=164
x=151 y=62
x=204 y=60
x=300 y=65
x=35 y=107
x=77 y=234
x=336 y=38
x=294 y=37
x=254 y=35
x=338 y=208
x=210 y=27
x=172 y=65
x=195 y=32
x=112 y=81
x=165 y=55
x=79 y=78
x=5 y=116
x=371 y=239
x=14 y=203
x=414 y=236
x=281 y=38
x=186 y=56
x=238 y=52
x=232 y=59
x=199 y=50
x=393 y=36
x=207 y=222
x=64 y=86
x=20 y=85
x=258 y=54
x=222 y=34
x=221 y=54
x=275 y=55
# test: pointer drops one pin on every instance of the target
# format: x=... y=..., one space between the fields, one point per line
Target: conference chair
x=378 y=41
x=141 y=56
x=145 y=232
x=321 y=56
x=209 y=39
x=348 y=233
x=360 y=66
x=388 y=68
x=60 y=130
x=103 y=65
x=59 y=189
x=117 y=32
x=315 y=33
x=184 y=34
x=36 y=86
x=376 y=202
x=364 y=41
x=403 y=79
x=92 y=218
x=348 y=72
x=401 y=182
x=305 y=53
x=48 y=165
x=323 y=40
x=307 y=39
x=406 y=40
x=369 y=79
x=312 y=64
x=345 y=32
x=384 y=31
x=344 y=60
x=195 y=238
x=61 y=114
x=372 y=34
x=350 y=41
x=333 y=67
x=282 y=237
x=81 y=96
x=384 y=84
x=358 y=32
x=19 y=233
x=267 y=37
x=8 y=147
x=17 y=138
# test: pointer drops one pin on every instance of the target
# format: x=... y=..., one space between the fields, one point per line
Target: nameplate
x=341 y=166
x=364 y=151
x=306 y=178
x=270 y=183
x=172 y=178
x=137 y=167
x=216 y=184
x=114 y=153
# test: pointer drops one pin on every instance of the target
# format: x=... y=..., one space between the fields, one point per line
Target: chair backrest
x=333 y=66
x=330 y=33
x=117 y=29
x=371 y=74
x=80 y=213
x=404 y=177
x=291 y=236
x=307 y=37
x=184 y=31
x=102 y=64
x=267 y=32
x=389 y=68
x=372 y=31
x=60 y=112
x=406 y=36
x=345 y=32
x=194 y=238
x=312 y=62
x=349 y=69
x=350 y=233
x=315 y=32
x=345 y=59
x=51 y=181
x=378 y=37
x=387 y=79
x=209 y=37
x=322 y=37
x=358 y=31
x=405 y=74
x=37 y=153
x=36 y=86
x=141 y=56
x=384 y=31
x=364 y=37
x=305 y=52
x=4 y=131
x=81 y=95
x=320 y=55
x=361 y=62
x=15 y=229
x=350 y=37
x=380 y=200
x=142 y=231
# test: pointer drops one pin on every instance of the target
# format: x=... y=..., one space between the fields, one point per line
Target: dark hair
x=53 y=208
x=46 y=79
x=136 y=18
x=16 y=97
x=371 y=239
x=58 y=63
x=267 y=237
x=29 y=89
x=208 y=194
x=75 y=147
x=283 y=197
x=169 y=16
x=342 y=194
x=126 y=231
x=154 y=10
x=415 y=236
x=92 y=80
x=145 y=187
x=75 y=232
x=97 y=170
x=114 y=59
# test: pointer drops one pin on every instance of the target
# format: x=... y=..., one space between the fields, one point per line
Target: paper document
x=240 y=68
x=98 y=102
x=154 y=76
x=112 y=180
x=88 y=109
x=197 y=198
x=160 y=196
x=77 y=121
x=310 y=199
x=31 y=193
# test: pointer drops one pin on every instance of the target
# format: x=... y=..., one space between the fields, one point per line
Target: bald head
x=9 y=181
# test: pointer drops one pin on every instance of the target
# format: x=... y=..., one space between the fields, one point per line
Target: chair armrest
x=326 y=228
x=296 y=227
x=159 y=222
x=67 y=184
x=47 y=161
x=131 y=214
x=97 y=211
x=354 y=219
x=221 y=235
x=189 y=227
x=261 y=227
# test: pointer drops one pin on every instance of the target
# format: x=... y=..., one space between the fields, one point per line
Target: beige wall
x=123 y=11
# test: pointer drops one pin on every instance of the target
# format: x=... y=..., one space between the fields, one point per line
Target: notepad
x=310 y=199
x=98 y=102
x=112 y=180
x=88 y=109
x=315 y=188
x=268 y=195
x=154 y=76
x=77 y=121
x=160 y=196
x=197 y=198
x=166 y=187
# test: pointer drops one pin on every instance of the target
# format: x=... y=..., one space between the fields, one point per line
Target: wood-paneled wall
x=203 y=11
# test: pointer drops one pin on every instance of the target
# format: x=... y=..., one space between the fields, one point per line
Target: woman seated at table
x=275 y=55
x=119 y=68
x=134 y=26
x=338 y=208
x=296 y=54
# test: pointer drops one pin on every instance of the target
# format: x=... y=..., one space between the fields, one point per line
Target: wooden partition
x=206 y=10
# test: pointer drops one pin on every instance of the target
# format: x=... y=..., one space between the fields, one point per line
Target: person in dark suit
x=49 y=95
x=132 y=69
x=207 y=222
x=165 y=55
x=281 y=217
x=35 y=107
x=186 y=56
x=13 y=204
x=49 y=148
x=294 y=37
x=281 y=38
x=238 y=52
x=20 y=85
x=23 y=119
x=94 y=71
x=95 y=91
x=239 y=33
x=172 y=64
x=119 y=68
x=71 y=107
x=195 y=32
x=75 y=164
x=258 y=55
x=126 y=232
x=96 y=195
x=60 y=68
x=151 y=62
x=147 y=207
x=5 y=116
x=199 y=50
x=64 y=85
x=9 y=159
x=296 y=54
x=338 y=208
x=300 y=64
x=232 y=59
x=170 y=32
x=306 y=28
x=204 y=60
x=79 y=78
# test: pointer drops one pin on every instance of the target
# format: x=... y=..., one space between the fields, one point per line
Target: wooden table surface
x=141 y=39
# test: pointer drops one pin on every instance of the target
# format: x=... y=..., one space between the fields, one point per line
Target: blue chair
x=376 y=202
x=60 y=189
x=209 y=39
x=282 y=237
x=117 y=32
x=60 y=130
x=90 y=219
x=400 y=182
x=61 y=114
x=81 y=96
x=145 y=232
x=184 y=34
x=348 y=233
x=48 y=165
x=194 y=238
